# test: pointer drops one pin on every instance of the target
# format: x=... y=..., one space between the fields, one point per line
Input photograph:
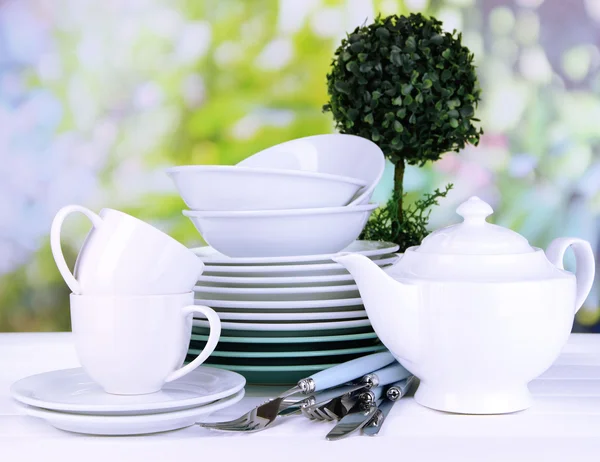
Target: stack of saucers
x=284 y=318
x=273 y=222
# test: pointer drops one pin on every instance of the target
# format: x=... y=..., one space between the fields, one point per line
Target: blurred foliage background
x=98 y=97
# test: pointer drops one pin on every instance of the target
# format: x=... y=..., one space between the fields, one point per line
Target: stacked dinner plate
x=285 y=318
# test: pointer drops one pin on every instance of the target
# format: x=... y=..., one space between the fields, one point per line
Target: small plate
x=258 y=282
x=130 y=424
x=276 y=375
x=280 y=305
x=292 y=326
x=72 y=390
x=247 y=333
x=289 y=354
x=276 y=293
x=290 y=270
x=367 y=248
x=293 y=316
x=289 y=340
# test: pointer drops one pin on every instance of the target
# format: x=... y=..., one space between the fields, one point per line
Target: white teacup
x=125 y=256
x=134 y=345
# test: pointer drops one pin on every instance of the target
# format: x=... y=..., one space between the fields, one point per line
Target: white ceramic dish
x=222 y=187
x=337 y=154
x=293 y=316
x=367 y=248
x=277 y=293
x=130 y=424
x=276 y=233
x=309 y=269
x=258 y=282
x=292 y=326
x=123 y=255
x=292 y=354
x=281 y=305
x=72 y=390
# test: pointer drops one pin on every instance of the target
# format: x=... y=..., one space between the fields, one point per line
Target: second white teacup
x=134 y=345
x=123 y=255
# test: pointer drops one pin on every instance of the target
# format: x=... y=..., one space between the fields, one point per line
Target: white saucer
x=277 y=293
x=273 y=281
x=71 y=390
x=367 y=248
x=130 y=424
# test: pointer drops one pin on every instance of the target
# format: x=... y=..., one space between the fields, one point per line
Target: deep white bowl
x=276 y=233
x=336 y=154
x=233 y=188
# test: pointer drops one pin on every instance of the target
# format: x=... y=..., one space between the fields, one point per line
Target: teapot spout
x=392 y=306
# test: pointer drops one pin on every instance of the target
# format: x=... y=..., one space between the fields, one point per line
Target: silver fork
x=366 y=398
x=264 y=415
x=339 y=407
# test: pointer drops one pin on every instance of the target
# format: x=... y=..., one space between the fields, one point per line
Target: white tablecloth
x=563 y=424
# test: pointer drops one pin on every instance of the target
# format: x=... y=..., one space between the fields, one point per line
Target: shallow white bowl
x=222 y=187
x=276 y=233
x=336 y=154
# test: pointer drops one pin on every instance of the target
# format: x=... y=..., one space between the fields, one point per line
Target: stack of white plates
x=284 y=318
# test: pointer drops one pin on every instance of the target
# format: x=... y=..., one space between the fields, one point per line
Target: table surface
x=563 y=423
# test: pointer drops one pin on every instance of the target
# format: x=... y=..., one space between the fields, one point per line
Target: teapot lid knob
x=474 y=210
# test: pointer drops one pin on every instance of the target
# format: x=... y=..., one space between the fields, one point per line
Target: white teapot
x=475 y=312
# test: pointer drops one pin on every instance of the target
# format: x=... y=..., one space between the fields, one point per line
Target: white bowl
x=276 y=233
x=232 y=188
x=346 y=155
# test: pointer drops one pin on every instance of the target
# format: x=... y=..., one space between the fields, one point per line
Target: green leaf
x=357 y=47
x=401 y=113
x=397 y=101
x=437 y=39
x=419 y=98
x=453 y=123
x=346 y=56
x=396 y=59
x=342 y=87
x=427 y=83
x=453 y=103
x=446 y=75
x=411 y=44
x=447 y=53
x=398 y=127
x=466 y=111
x=382 y=33
x=369 y=118
x=376 y=95
x=406 y=88
x=408 y=100
x=412 y=119
x=362 y=57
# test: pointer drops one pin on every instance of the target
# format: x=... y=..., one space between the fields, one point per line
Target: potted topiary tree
x=411 y=88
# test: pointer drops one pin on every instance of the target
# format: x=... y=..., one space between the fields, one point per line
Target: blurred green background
x=98 y=97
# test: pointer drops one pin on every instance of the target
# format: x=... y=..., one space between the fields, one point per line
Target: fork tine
x=307 y=413
x=322 y=415
x=330 y=414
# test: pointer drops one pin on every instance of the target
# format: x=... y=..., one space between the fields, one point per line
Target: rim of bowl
x=280 y=213
x=267 y=171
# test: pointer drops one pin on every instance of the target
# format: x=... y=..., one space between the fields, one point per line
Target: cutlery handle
x=399 y=389
x=348 y=371
x=390 y=374
x=55 y=232
x=214 y=324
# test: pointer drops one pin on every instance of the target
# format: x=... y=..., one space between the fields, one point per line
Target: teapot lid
x=475 y=236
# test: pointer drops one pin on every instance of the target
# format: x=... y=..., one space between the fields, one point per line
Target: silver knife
x=393 y=394
x=360 y=415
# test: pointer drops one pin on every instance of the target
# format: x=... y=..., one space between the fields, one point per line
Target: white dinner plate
x=280 y=305
x=291 y=326
x=298 y=316
x=277 y=293
x=72 y=390
x=367 y=248
x=274 y=281
x=290 y=270
x=130 y=424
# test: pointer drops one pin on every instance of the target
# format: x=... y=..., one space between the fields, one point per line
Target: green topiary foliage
x=408 y=86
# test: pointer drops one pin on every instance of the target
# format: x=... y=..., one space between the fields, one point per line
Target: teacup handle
x=55 y=231
x=213 y=338
x=584 y=259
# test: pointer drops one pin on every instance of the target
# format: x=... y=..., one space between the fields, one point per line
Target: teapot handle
x=584 y=258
